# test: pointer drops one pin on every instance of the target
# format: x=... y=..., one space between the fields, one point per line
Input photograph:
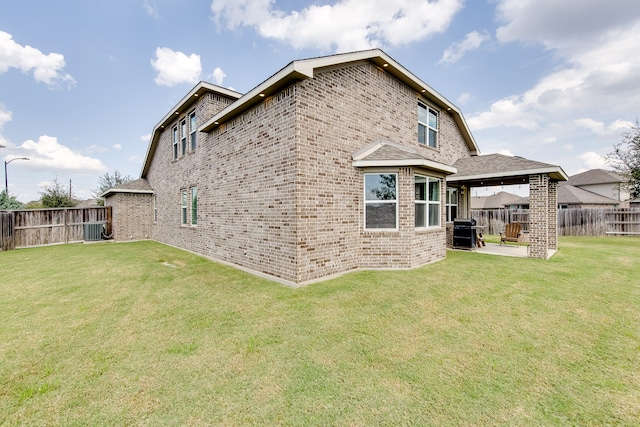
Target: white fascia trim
x=557 y=170
x=126 y=191
x=440 y=167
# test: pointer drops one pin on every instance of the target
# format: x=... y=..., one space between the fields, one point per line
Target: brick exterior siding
x=132 y=215
x=277 y=191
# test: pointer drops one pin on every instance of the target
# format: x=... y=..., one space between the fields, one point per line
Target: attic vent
x=93 y=231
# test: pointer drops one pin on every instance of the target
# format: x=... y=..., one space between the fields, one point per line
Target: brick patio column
x=553 y=215
x=539 y=216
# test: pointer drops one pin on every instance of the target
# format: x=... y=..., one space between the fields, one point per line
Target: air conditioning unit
x=93 y=231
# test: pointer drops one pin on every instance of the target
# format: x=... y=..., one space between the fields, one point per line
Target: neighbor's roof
x=305 y=69
x=572 y=195
x=497 y=201
x=498 y=169
x=595 y=176
x=384 y=153
x=140 y=186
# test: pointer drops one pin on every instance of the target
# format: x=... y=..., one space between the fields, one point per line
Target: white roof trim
x=124 y=190
x=429 y=164
x=494 y=175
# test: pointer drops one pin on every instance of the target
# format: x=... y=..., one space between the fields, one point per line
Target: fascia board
x=440 y=167
x=560 y=175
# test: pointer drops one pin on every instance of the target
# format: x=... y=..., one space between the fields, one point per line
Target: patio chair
x=511 y=233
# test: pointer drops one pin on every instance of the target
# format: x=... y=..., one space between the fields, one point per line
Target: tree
x=57 y=196
x=8 y=201
x=625 y=159
x=107 y=181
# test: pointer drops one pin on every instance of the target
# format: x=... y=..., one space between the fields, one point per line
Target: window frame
x=449 y=204
x=428 y=128
x=368 y=202
x=183 y=136
x=427 y=203
x=183 y=207
x=174 y=139
x=193 y=140
x=155 y=208
x=193 y=199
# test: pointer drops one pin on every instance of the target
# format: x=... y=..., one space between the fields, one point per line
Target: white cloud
x=5 y=116
x=464 y=98
x=47 y=69
x=151 y=9
x=47 y=153
x=593 y=160
x=175 y=67
x=597 y=51
x=218 y=76
x=345 y=25
x=145 y=138
x=96 y=149
x=600 y=128
x=117 y=146
x=472 y=41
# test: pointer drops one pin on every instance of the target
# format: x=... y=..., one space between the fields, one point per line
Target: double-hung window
x=194 y=205
x=192 y=130
x=183 y=137
x=427 y=200
x=452 y=204
x=184 y=206
x=427 y=126
x=381 y=203
x=174 y=141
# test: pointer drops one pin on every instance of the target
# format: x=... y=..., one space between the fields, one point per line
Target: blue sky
x=83 y=83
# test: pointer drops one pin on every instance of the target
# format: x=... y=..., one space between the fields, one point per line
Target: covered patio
x=497 y=169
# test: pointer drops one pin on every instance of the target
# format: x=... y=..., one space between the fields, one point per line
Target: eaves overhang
x=305 y=69
x=130 y=191
x=509 y=177
x=427 y=164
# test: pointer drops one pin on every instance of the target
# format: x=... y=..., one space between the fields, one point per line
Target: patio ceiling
x=498 y=169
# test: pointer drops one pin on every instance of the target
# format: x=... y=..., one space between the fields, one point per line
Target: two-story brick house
x=332 y=164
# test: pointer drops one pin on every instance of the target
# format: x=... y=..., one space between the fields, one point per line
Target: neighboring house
x=332 y=164
x=500 y=200
x=594 y=188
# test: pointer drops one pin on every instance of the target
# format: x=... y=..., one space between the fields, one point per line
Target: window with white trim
x=452 y=204
x=155 y=208
x=194 y=205
x=192 y=130
x=183 y=137
x=427 y=126
x=427 y=200
x=184 y=207
x=380 y=201
x=174 y=141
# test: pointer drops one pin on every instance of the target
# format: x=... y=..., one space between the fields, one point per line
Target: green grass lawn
x=145 y=334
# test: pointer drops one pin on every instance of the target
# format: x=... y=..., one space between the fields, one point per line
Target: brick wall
x=132 y=215
x=277 y=190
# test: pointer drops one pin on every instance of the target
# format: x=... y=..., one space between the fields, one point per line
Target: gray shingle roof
x=140 y=185
x=595 y=176
x=494 y=169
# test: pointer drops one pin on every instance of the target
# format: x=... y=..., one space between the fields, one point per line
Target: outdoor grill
x=464 y=235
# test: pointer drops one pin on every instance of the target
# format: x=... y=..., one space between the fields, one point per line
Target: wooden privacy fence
x=571 y=222
x=39 y=227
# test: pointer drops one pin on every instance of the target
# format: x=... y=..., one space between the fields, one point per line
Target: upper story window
x=174 y=141
x=427 y=126
x=427 y=201
x=183 y=137
x=192 y=130
x=380 y=201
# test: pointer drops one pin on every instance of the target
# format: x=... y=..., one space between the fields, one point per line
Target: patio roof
x=498 y=169
x=384 y=153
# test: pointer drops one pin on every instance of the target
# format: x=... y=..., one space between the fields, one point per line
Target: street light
x=6 y=183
